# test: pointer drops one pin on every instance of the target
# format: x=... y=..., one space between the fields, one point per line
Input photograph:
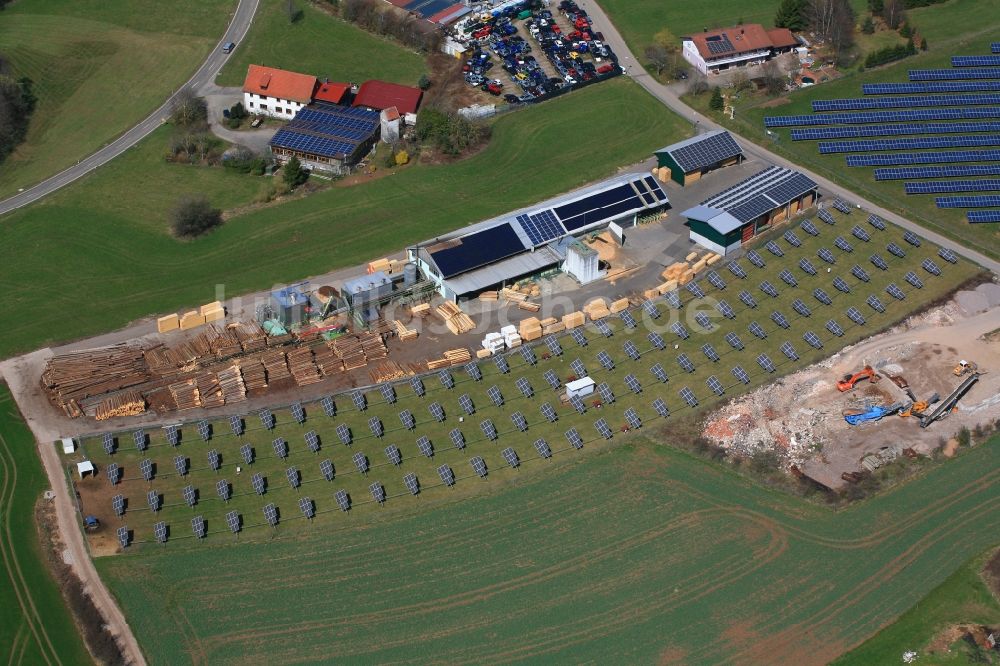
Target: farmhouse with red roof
x=750 y=44
x=379 y=95
x=276 y=92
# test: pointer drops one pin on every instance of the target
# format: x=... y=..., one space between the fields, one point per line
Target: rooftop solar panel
x=541 y=227
x=706 y=150
x=476 y=250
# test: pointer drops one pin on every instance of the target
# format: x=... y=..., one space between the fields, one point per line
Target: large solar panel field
x=937 y=112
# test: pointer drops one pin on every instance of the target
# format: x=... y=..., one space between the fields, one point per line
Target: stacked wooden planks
x=457 y=321
x=93 y=372
x=596 y=309
x=421 y=310
x=231 y=383
x=303 y=367
x=451 y=357
x=226 y=344
x=404 y=333
x=489 y=296
x=185 y=394
x=388 y=371
x=129 y=403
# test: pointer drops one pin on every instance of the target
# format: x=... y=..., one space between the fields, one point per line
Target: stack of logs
x=451 y=357
x=388 y=371
x=457 y=321
x=304 y=370
x=82 y=374
x=130 y=403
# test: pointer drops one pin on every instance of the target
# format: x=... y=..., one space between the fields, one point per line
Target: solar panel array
x=437 y=411
x=280 y=448
x=801 y=308
x=344 y=433
x=688 y=396
x=446 y=379
x=695 y=289
x=908 y=101
x=478 y=466
x=748 y=299
x=543 y=448
x=661 y=407
x=976 y=61
x=968 y=201
x=657 y=340
x=496 y=397
x=447 y=475
x=895 y=250
x=181 y=465
x=360 y=402
x=737 y=270
x=834 y=328
x=577 y=404
x=631 y=350
x=140 y=439
x=822 y=296
x=426 y=448
x=457 y=438
x=710 y=352
x=911 y=143
x=375 y=425
x=578 y=337
x=929 y=266
x=521 y=423
x=160 y=531
x=768 y=289
x=388 y=393
x=548 y=412
x=574 y=438
x=524 y=386
x=755 y=259
x=875 y=117
x=917 y=88
x=774 y=249
x=765 y=362
x=605 y=360
x=725 y=309
x=633 y=384
x=780 y=319
x=603 y=429
x=716 y=280
x=842 y=244
x=603 y=328
x=826 y=217
x=108 y=442
x=741 y=374
x=895 y=292
x=204 y=430
x=578 y=368
x=528 y=354
x=511 y=457
x=214 y=460
x=488 y=429
x=703 y=321
x=256 y=482
x=472 y=369
x=860 y=273
x=190 y=495
x=860 y=234
x=658 y=372
x=678 y=329
x=552 y=379
x=788 y=350
x=627 y=319
x=270 y=514
x=223 y=489
x=948 y=255
x=715 y=385
x=787 y=277
x=913 y=280
x=118 y=504
x=808 y=227
x=360 y=462
x=266 y=419
x=944 y=187
x=465 y=402
x=875 y=303
x=554 y=347
x=812 y=340
x=411 y=483
x=248 y=454
x=146 y=468
x=878 y=262
x=827 y=256
x=377 y=492
x=935 y=157
x=343 y=500
x=650 y=309
x=757 y=330
x=407 y=420
x=123 y=536
x=501 y=363
x=673 y=299
x=293 y=476
x=855 y=315
x=685 y=363
x=330 y=408
x=894 y=129
x=326 y=469
x=840 y=285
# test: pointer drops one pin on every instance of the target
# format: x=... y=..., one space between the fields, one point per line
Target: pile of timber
x=457 y=321
x=349 y=350
x=327 y=361
x=421 y=310
x=302 y=366
x=278 y=340
x=404 y=333
x=130 y=403
x=596 y=309
x=254 y=375
x=185 y=394
x=226 y=344
x=231 y=383
x=373 y=345
x=275 y=365
x=251 y=336
x=93 y=372
x=529 y=306
x=512 y=294
x=388 y=371
x=451 y=357
x=209 y=390
x=489 y=296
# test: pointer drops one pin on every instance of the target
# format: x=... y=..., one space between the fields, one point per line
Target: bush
x=237 y=111
x=868 y=27
x=402 y=157
x=450 y=133
x=424 y=83
x=193 y=216
x=189 y=110
x=890 y=54
x=964 y=437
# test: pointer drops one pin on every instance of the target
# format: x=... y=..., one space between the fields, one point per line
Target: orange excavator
x=848 y=382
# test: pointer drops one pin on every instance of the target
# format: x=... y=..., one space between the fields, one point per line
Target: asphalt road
x=670 y=98
x=237 y=30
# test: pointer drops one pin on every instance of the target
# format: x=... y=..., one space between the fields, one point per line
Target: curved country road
x=238 y=27
x=670 y=99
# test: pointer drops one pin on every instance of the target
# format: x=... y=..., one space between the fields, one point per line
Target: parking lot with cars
x=526 y=53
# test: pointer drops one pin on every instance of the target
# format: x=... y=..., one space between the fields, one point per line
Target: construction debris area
x=949 y=351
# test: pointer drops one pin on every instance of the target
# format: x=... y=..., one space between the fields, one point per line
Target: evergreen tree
x=716 y=103
x=295 y=175
x=791 y=14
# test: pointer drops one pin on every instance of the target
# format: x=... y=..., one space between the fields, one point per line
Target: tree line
x=17 y=102
x=384 y=19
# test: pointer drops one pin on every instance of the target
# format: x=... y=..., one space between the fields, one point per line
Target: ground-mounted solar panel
x=840 y=285
x=528 y=354
x=716 y=280
x=710 y=352
x=657 y=340
x=876 y=222
x=549 y=412
x=360 y=462
x=860 y=234
x=679 y=330
x=808 y=227
x=768 y=289
x=393 y=454
x=344 y=434
x=329 y=406
x=377 y=492
x=465 y=403
x=407 y=420
x=788 y=350
x=855 y=315
x=578 y=368
x=123 y=536
x=774 y=249
x=685 y=363
x=270 y=512
x=298 y=413
x=215 y=460
x=258 y=483
x=842 y=244
x=737 y=270
x=446 y=379
x=108 y=442
x=411 y=483
x=190 y=495
x=755 y=259
x=118 y=504
x=496 y=397
x=388 y=393
x=501 y=362
x=603 y=429
x=827 y=256
x=879 y=262
x=578 y=337
x=510 y=455
x=247 y=452
x=633 y=384
x=573 y=437
x=326 y=469
x=673 y=299
x=747 y=299
x=224 y=490
x=543 y=448
x=659 y=372
x=554 y=347
x=472 y=369
x=602 y=328
x=948 y=255
x=146 y=469
x=280 y=448
x=929 y=266
x=792 y=239
x=293 y=476
x=842 y=206
x=141 y=440
x=780 y=319
x=447 y=475
x=632 y=417
x=715 y=385
x=895 y=292
x=660 y=407
x=687 y=395
x=359 y=400
x=266 y=419
x=911 y=238
x=425 y=447
x=343 y=500
x=703 y=321
x=488 y=429
x=376 y=427
x=695 y=289
x=521 y=423
x=627 y=319
x=826 y=217
x=650 y=309
x=204 y=430
x=734 y=341
x=437 y=411
x=741 y=374
x=181 y=465
x=895 y=250
x=765 y=362
x=522 y=384
x=631 y=350
x=577 y=404
x=822 y=296
x=857 y=272
x=478 y=466
x=457 y=438
x=725 y=309
x=552 y=379
x=757 y=330
x=812 y=340
x=834 y=328
x=913 y=280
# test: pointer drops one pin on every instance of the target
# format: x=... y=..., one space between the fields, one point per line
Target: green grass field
x=100 y=237
x=962 y=598
x=98 y=68
x=35 y=625
x=336 y=49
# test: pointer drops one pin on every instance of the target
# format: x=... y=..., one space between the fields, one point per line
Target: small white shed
x=86 y=467
x=580 y=387
x=69 y=446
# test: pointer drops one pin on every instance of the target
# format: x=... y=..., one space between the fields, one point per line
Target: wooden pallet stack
x=275 y=365
x=451 y=357
x=185 y=394
x=93 y=372
x=254 y=374
x=388 y=371
x=232 y=385
x=457 y=321
x=278 y=340
x=209 y=390
x=302 y=366
x=129 y=403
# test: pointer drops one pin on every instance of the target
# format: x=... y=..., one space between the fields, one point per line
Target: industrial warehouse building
x=735 y=215
x=327 y=137
x=717 y=50
x=692 y=158
x=535 y=239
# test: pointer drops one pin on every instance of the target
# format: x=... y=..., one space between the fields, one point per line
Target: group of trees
x=17 y=102
x=194 y=215
x=449 y=132
x=832 y=20
x=890 y=54
x=384 y=19
x=664 y=53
